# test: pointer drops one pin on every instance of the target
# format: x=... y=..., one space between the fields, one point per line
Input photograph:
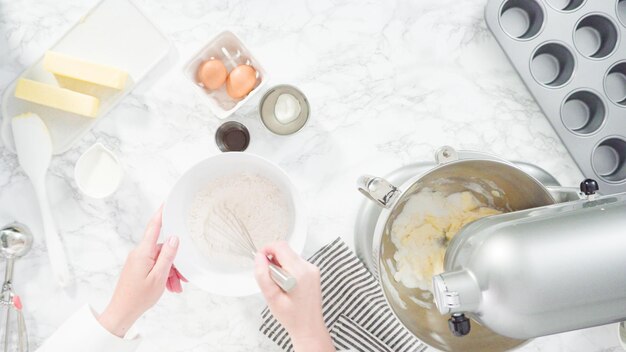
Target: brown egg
x=241 y=81
x=212 y=74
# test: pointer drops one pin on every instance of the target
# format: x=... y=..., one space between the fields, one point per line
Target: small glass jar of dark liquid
x=232 y=136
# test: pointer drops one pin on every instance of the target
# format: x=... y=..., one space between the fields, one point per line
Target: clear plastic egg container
x=228 y=48
x=571 y=54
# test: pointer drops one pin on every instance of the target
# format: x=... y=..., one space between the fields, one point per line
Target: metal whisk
x=225 y=223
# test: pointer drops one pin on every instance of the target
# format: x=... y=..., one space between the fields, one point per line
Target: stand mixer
x=539 y=271
x=551 y=264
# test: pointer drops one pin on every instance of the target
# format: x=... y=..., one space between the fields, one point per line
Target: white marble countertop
x=389 y=82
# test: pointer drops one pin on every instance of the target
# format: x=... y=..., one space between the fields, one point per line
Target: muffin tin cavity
x=609 y=160
x=583 y=112
x=566 y=5
x=615 y=84
x=521 y=19
x=621 y=11
x=596 y=37
x=571 y=55
x=552 y=65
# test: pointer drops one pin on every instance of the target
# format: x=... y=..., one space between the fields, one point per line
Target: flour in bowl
x=257 y=202
x=422 y=231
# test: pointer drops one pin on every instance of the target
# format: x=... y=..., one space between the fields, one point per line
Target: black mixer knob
x=459 y=324
x=589 y=186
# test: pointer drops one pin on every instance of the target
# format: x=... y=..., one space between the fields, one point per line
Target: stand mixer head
x=540 y=271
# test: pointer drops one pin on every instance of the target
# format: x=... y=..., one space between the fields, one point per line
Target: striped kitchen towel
x=354 y=308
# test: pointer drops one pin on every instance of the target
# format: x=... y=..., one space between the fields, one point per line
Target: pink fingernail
x=182 y=278
x=173 y=241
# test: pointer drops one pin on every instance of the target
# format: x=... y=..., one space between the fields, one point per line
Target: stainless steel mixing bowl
x=456 y=172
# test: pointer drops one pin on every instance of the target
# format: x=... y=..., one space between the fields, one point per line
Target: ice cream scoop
x=15 y=241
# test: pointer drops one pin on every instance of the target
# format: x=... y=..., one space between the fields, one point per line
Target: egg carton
x=228 y=48
x=571 y=54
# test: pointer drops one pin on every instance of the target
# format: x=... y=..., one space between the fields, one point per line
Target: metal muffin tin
x=571 y=54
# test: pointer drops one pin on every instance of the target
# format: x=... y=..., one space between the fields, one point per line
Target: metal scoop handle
x=282 y=278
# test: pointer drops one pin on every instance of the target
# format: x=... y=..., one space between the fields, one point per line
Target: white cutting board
x=114 y=33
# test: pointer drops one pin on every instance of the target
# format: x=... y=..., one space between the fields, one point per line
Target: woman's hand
x=300 y=310
x=148 y=271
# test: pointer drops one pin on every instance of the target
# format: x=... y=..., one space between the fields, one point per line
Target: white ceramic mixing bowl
x=210 y=276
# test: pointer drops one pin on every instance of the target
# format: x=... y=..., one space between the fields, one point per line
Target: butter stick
x=83 y=70
x=56 y=97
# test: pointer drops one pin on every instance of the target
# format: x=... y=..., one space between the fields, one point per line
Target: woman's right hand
x=300 y=310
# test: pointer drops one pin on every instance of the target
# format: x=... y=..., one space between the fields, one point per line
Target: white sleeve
x=82 y=332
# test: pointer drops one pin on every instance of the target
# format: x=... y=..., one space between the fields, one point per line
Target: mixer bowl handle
x=446 y=154
x=379 y=190
x=565 y=194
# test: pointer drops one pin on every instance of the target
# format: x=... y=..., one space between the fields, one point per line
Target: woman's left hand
x=148 y=271
x=174 y=278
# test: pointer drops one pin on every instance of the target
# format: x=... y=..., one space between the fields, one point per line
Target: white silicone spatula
x=34 y=152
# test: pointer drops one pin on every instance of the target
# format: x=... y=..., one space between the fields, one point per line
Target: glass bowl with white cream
x=98 y=172
x=284 y=110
